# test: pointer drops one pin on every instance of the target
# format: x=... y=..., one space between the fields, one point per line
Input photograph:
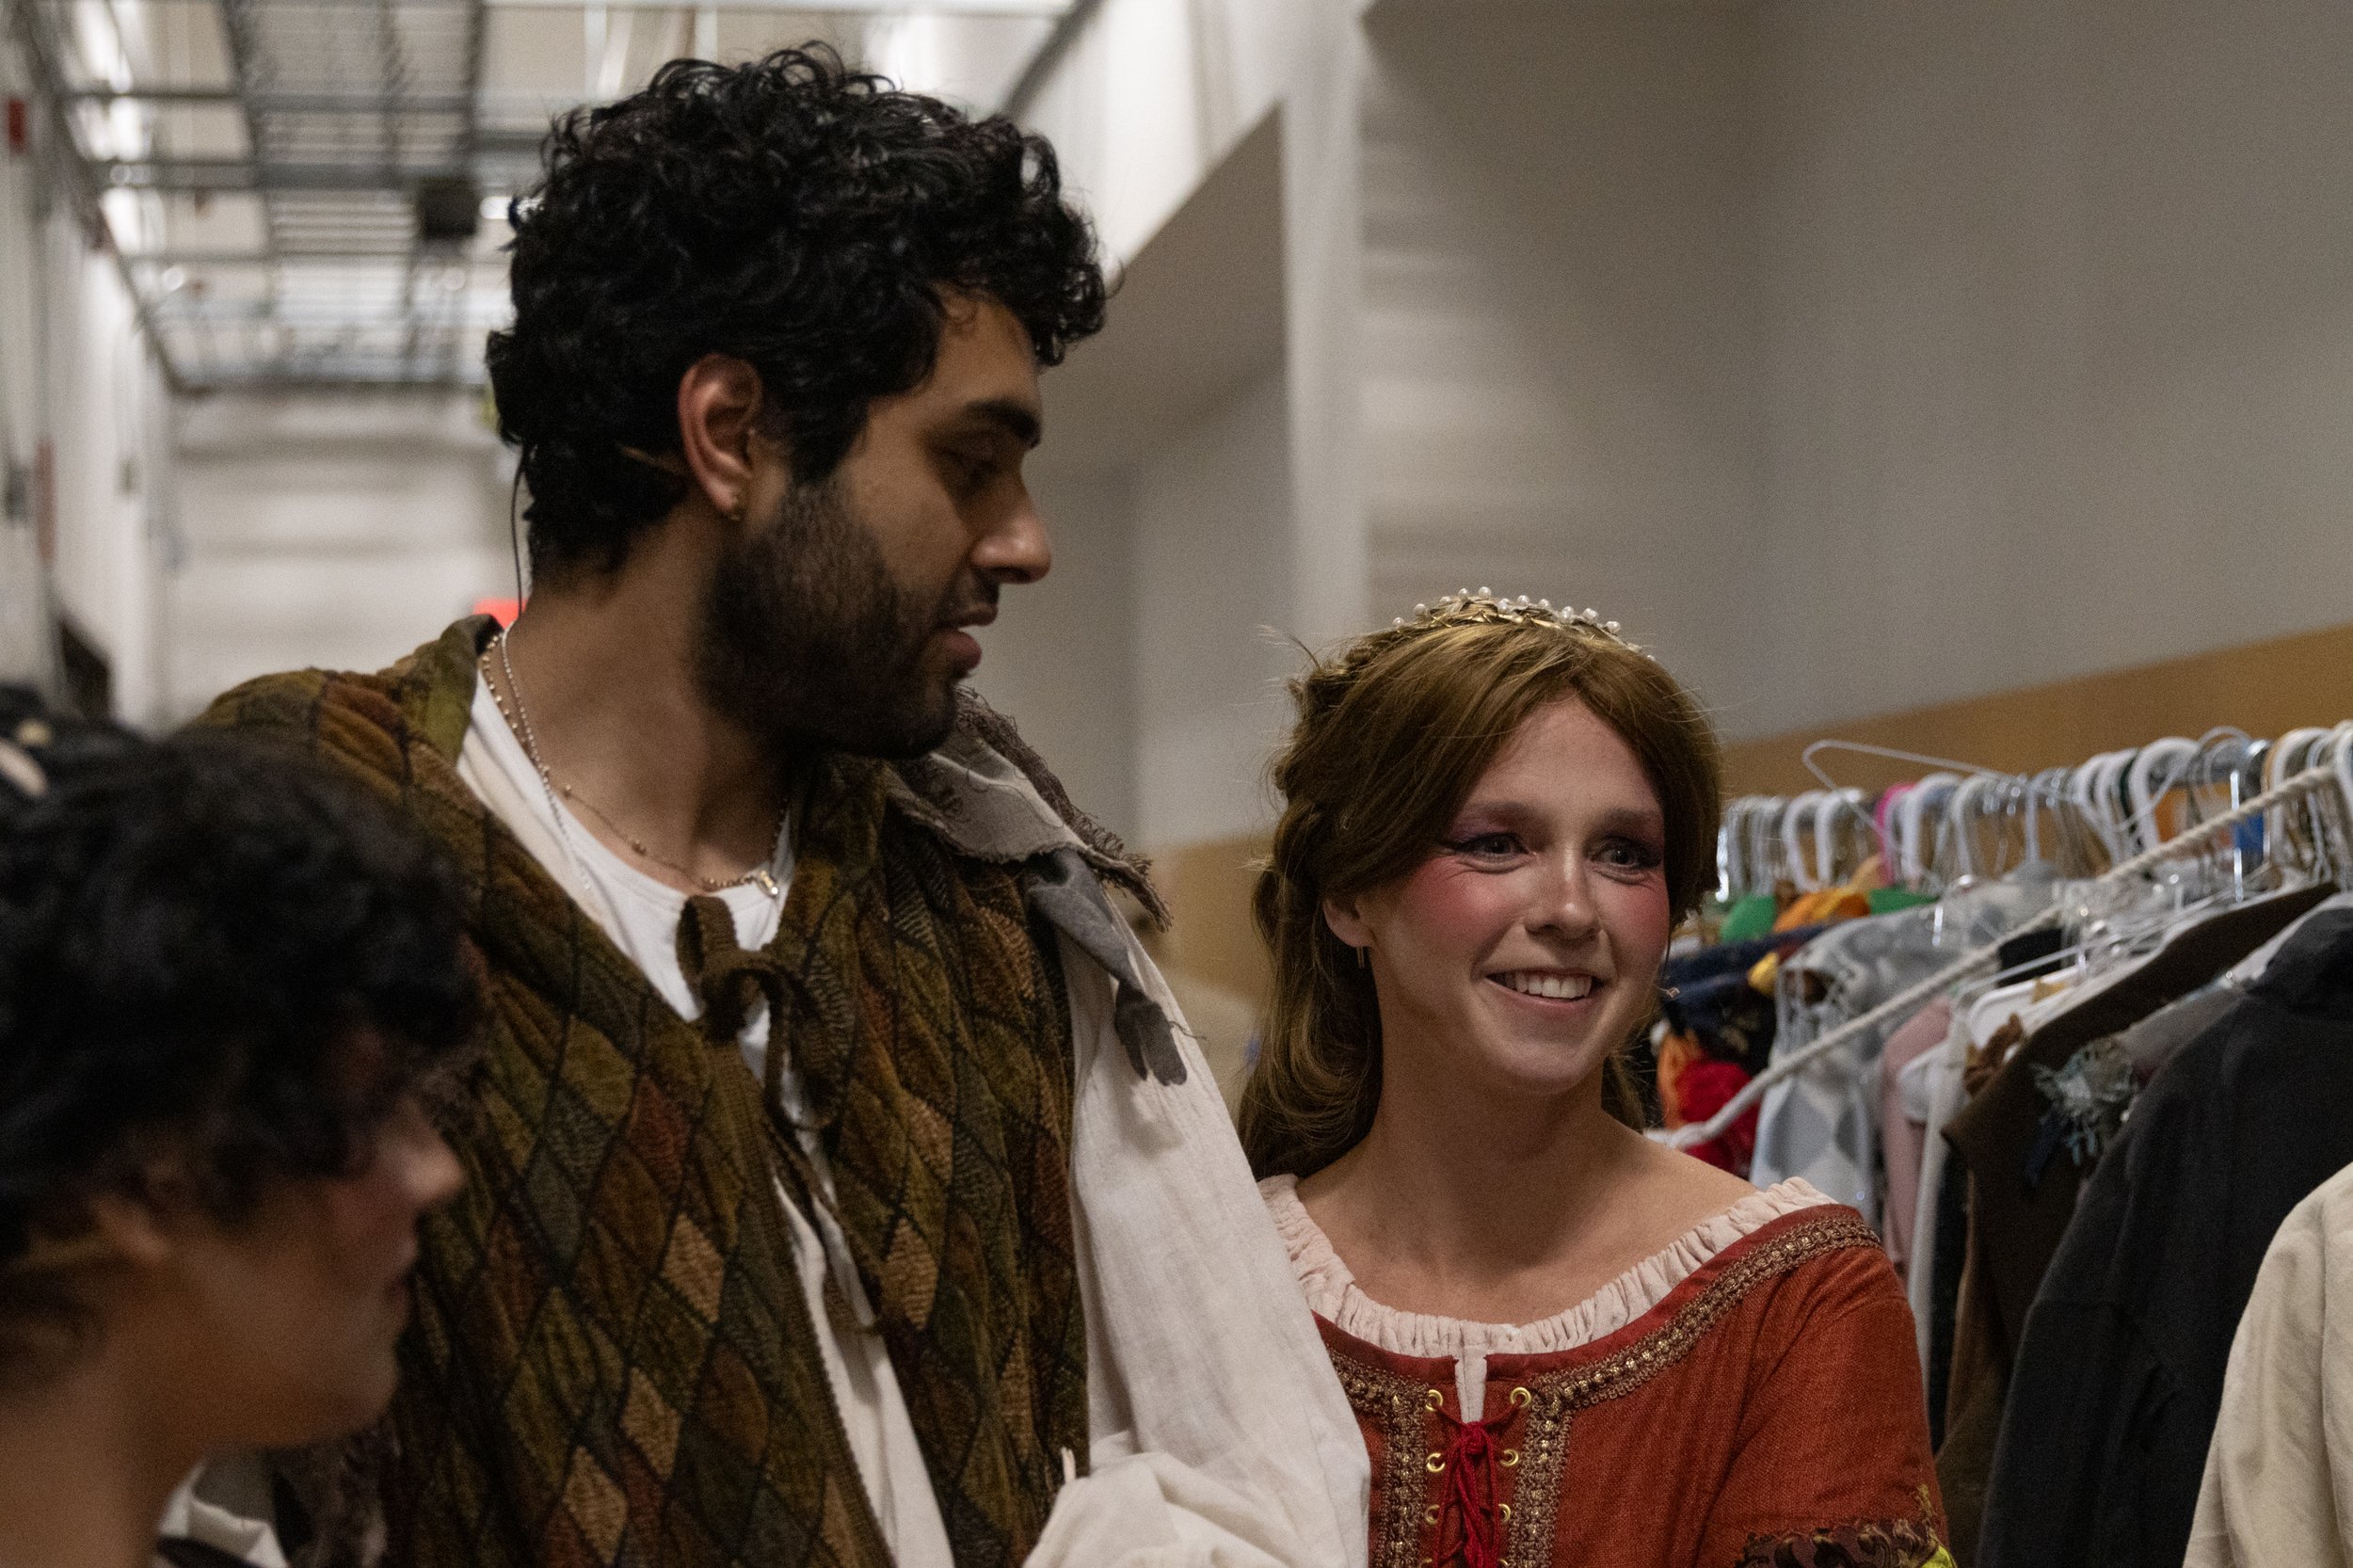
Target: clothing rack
x=1910 y=999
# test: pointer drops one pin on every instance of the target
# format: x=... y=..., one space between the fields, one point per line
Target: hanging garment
x=1903 y=1136
x=2022 y=1181
x=1829 y=904
x=1745 y=1398
x=2279 y=1484
x=1726 y=959
x=1720 y=1034
x=1694 y=1086
x=2120 y=1369
x=1822 y=1123
x=1749 y=919
x=1931 y=1089
x=1724 y=1017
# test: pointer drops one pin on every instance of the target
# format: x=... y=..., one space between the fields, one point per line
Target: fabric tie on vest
x=725 y=979
x=728 y=980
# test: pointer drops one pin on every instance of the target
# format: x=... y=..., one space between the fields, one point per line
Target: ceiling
x=309 y=193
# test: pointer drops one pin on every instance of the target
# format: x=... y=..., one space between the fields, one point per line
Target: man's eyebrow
x=1021 y=423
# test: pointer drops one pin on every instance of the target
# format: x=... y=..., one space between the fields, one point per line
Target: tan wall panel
x=1211 y=935
x=2262 y=688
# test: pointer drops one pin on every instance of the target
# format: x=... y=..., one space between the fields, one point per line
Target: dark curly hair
x=197 y=936
x=798 y=215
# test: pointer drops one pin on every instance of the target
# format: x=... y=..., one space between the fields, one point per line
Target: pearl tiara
x=1485 y=608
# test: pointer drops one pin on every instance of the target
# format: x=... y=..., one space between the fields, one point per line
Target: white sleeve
x=1222 y=1436
x=2279 y=1482
x=199 y=1519
x=1149 y=1511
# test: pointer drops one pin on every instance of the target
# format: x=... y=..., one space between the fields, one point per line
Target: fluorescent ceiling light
x=838 y=7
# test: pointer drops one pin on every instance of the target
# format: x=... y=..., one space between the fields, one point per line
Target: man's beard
x=806 y=638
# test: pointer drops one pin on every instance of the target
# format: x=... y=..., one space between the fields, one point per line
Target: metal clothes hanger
x=1734 y=878
x=1763 y=830
x=2297 y=829
x=2148 y=779
x=2092 y=791
x=1796 y=817
x=1840 y=808
x=1920 y=827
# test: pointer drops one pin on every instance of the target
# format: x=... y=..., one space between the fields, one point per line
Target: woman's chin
x=1524 y=1069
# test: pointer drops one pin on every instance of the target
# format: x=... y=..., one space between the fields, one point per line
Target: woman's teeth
x=1558 y=987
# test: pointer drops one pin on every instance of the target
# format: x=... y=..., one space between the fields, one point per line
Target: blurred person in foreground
x=1565 y=1343
x=222 y=978
x=844 y=1186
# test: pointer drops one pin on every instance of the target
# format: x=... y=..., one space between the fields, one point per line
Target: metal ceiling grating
x=262 y=164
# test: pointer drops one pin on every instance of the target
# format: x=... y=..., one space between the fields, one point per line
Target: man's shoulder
x=359 y=713
x=289 y=700
x=988 y=794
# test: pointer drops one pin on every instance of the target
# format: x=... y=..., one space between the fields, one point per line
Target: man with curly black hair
x=223 y=977
x=845 y=1188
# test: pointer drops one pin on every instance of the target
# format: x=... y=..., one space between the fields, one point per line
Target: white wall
x=114 y=482
x=331 y=531
x=1147 y=667
x=1153 y=94
x=1060 y=657
x=1212 y=598
x=76 y=383
x=1167 y=473
x=1861 y=356
x=1560 y=348
x=2059 y=327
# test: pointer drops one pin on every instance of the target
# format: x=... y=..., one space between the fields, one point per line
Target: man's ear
x=1346 y=924
x=719 y=406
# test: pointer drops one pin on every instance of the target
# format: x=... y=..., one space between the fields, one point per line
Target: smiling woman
x=1494 y=815
x=1392 y=737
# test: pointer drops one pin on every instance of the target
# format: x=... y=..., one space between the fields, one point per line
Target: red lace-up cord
x=1472 y=1500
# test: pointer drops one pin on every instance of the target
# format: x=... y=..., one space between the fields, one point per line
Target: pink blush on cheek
x=1441 y=895
x=1643 y=919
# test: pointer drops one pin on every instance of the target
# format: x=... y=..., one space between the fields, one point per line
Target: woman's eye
x=1487 y=846
x=1626 y=855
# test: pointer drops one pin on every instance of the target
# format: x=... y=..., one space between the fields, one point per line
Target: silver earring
x=1364 y=956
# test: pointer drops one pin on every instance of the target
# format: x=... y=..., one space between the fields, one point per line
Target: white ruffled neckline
x=1333 y=1293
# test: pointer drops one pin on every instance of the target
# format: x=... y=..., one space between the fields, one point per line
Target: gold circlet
x=519 y=722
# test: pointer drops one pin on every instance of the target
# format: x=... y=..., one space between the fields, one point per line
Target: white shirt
x=641 y=916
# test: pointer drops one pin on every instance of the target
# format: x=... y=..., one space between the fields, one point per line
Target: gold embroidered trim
x=1544 y=1443
x=1396 y=1405
x=1863 y=1543
x=1543 y=1454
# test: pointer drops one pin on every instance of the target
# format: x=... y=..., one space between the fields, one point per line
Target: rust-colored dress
x=1750 y=1395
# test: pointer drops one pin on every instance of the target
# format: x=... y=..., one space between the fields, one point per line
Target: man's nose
x=1016 y=547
